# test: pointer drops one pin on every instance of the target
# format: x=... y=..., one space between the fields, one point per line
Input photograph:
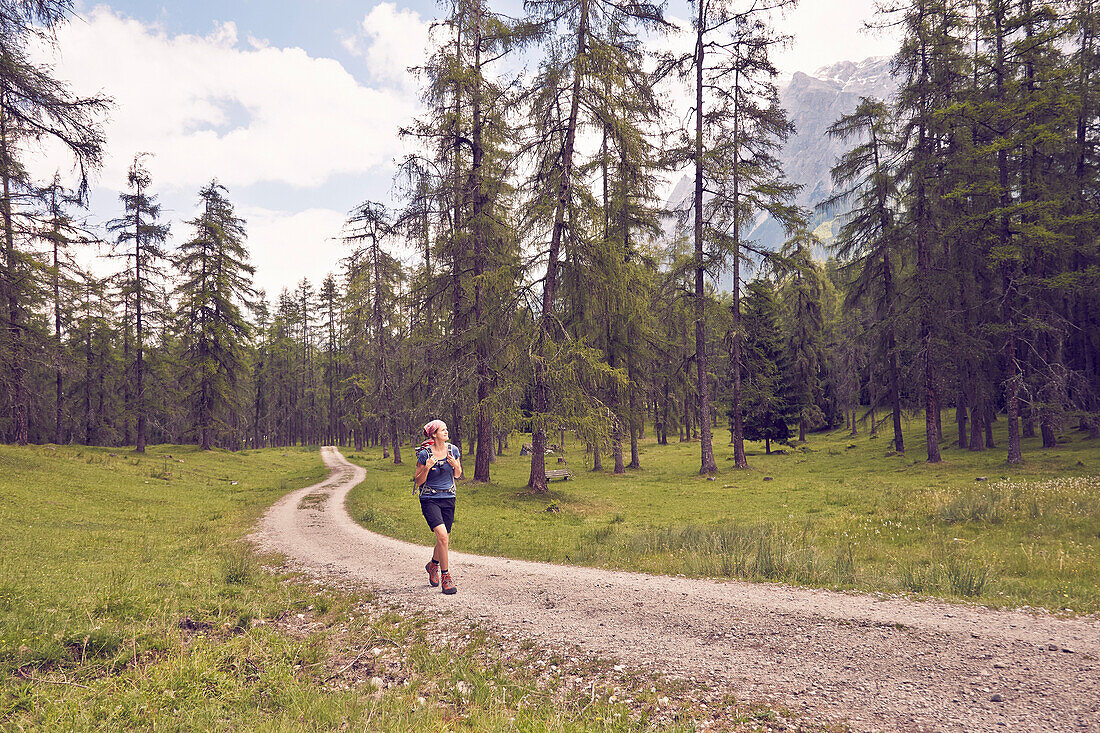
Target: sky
x=295 y=107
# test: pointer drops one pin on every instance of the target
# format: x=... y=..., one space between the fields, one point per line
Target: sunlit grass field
x=839 y=512
x=128 y=602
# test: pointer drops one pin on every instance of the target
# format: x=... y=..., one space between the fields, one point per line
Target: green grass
x=839 y=512
x=128 y=602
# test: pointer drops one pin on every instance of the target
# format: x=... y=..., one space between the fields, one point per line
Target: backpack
x=419 y=490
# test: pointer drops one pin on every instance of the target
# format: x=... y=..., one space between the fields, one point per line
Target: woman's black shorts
x=438 y=511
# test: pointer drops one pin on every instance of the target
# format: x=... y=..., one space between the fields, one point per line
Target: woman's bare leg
x=442 y=540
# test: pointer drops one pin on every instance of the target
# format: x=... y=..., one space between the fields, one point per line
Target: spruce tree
x=766 y=392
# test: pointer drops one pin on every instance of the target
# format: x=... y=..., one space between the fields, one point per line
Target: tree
x=802 y=292
x=738 y=126
x=34 y=106
x=565 y=94
x=93 y=342
x=330 y=307
x=143 y=280
x=374 y=281
x=1083 y=164
x=261 y=418
x=61 y=232
x=495 y=255
x=931 y=68
x=216 y=280
x=869 y=240
x=766 y=386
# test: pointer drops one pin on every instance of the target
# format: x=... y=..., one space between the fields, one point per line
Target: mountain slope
x=813 y=104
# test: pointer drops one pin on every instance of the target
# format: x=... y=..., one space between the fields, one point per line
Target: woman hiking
x=438 y=464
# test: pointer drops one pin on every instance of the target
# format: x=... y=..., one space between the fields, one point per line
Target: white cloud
x=207 y=108
x=391 y=41
x=287 y=246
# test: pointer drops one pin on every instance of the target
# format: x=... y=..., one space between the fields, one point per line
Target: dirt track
x=875 y=663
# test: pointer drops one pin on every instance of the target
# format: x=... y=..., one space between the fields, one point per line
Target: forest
x=527 y=277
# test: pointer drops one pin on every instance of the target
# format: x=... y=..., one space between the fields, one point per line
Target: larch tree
x=931 y=68
x=61 y=232
x=34 y=107
x=802 y=291
x=261 y=320
x=1083 y=165
x=731 y=149
x=766 y=395
x=215 y=282
x=583 y=38
x=375 y=278
x=329 y=297
x=869 y=240
x=139 y=239
x=494 y=248
x=92 y=341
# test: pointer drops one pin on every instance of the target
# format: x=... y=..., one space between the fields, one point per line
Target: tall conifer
x=738 y=128
x=216 y=281
x=140 y=237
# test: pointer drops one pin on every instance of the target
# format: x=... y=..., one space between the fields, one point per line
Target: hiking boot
x=449 y=585
x=433 y=573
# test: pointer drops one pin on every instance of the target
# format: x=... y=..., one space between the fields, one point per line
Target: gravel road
x=871 y=662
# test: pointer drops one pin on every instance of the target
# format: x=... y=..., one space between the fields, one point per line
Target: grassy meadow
x=129 y=602
x=838 y=512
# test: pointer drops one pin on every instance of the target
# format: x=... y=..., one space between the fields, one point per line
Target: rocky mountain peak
x=814 y=102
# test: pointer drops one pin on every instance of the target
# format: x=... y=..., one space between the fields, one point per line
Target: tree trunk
x=395 y=442
x=706 y=450
x=960 y=416
x=138 y=334
x=924 y=268
x=18 y=388
x=127 y=394
x=632 y=409
x=1028 y=419
x=458 y=309
x=59 y=396
x=1007 y=269
x=484 y=455
x=977 y=420
x=537 y=480
x=892 y=356
x=89 y=430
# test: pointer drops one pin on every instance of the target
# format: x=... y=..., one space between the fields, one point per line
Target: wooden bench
x=563 y=473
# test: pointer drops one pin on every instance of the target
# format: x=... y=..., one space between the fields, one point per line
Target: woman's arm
x=421 y=474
